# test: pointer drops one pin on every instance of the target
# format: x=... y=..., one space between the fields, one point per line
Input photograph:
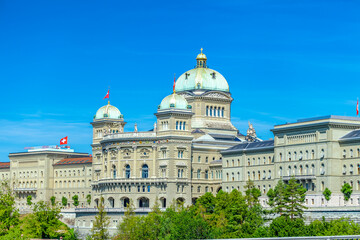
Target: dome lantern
x=201 y=60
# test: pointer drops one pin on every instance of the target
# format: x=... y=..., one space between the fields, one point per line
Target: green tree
x=277 y=197
x=28 y=200
x=44 y=222
x=346 y=189
x=64 y=201
x=252 y=194
x=75 y=198
x=88 y=199
x=53 y=200
x=327 y=194
x=101 y=223
x=9 y=216
x=295 y=195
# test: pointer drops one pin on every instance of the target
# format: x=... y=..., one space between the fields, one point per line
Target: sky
x=283 y=60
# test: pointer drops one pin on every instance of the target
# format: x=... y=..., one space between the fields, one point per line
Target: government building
x=192 y=149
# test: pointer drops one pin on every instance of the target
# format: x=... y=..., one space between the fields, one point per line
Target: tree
x=28 y=200
x=295 y=195
x=327 y=194
x=277 y=197
x=88 y=199
x=346 y=189
x=44 y=222
x=53 y=200
x=64 y=201
x=252 y=193
x=288 y=199
x=75 y=198
x=9 y=216
x=101 y=223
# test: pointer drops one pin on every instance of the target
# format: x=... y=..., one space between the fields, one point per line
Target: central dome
x=201 y=77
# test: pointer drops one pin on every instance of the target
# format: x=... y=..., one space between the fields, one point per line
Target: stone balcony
x=25 y=190
x=300 y=177
x=116 y=181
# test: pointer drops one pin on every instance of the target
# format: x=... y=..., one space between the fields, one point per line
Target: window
x=177 y=125
x=163 y=153
x=145 y=171
x=351 y=169
x=222 y=112
x=198 y=173
x=114 y=172
x=206 y=174
x=280 y=171
x=312 y=154
x=199 y=159
x=199 y=189
x=269 y=174
x=289 y=156
x=127 y=171
x=207 y=110
x=344 y=169
x=351 y=153
x=322 y=169
x=207 y=159
x=180 y=153
x=280 y=156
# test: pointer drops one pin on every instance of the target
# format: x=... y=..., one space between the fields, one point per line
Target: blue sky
x=283 y=60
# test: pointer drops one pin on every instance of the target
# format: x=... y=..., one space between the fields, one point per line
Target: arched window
x=144 y=202
x=207 y=110
x=211 y=111
x=145 y=171
x=184 y=126
x=215 y=112
x=222 y=112
x=219 y=113
x=177 y=125
x=198 y=173
x=127 y=171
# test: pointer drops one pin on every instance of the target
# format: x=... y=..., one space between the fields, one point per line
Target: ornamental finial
x=201 y=49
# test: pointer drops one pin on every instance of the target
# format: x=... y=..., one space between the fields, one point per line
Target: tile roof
x=352 y=134
x=80 y=160
x=4 y=164
x=251 y=145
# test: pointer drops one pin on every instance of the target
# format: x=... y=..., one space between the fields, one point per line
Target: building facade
x=179 y=159
x=45 y=172
x=320 y=153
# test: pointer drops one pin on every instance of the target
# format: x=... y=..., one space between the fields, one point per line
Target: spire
x=201 y=60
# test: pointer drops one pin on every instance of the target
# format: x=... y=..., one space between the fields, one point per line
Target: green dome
x=201 y=78
x=108 y=111
x=174 y=101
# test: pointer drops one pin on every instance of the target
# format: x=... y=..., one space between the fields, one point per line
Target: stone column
x=154 y=161
x=135 y=167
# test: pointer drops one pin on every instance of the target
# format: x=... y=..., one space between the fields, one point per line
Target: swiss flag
x=174 y=84
x=107 y=94
x=63 y=140
x=357 y=108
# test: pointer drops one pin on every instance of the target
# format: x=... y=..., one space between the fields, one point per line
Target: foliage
x=9 y=216
x=252 y=194
x=44 y=222
x=101 y=223
x=64 y=201
x=28 y=200
x=88 y=199
x=294 y=197
x=53 y=200
x=75 y=198
x=288 y=199
x=346 y=189
x=327 y=194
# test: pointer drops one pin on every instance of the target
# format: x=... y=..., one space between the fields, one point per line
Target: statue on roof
x=135 y=128
x=250 y=133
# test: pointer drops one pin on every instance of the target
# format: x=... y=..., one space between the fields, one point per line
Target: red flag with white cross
x=64 y=140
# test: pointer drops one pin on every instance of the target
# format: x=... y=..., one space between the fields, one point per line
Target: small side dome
x=174 y=101
x=108 y=111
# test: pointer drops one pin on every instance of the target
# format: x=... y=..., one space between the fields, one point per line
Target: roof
x=4 y=164
x=352 y=134
x=329 y=117
x=224 y=137
x=197 y=130
x=251 y=146
x=67 y=161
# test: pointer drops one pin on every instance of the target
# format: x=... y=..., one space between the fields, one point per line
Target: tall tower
x=207 y=91
x=108 y=120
